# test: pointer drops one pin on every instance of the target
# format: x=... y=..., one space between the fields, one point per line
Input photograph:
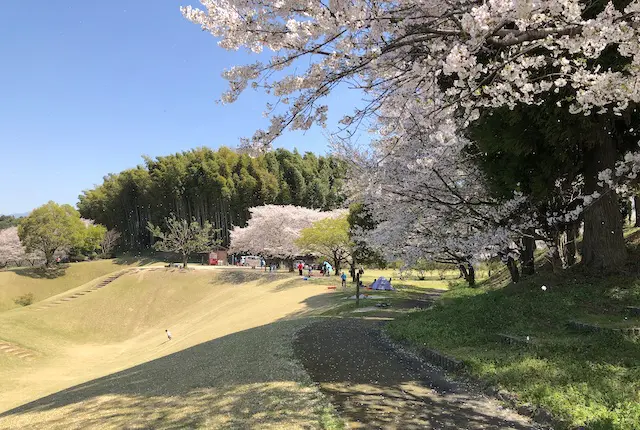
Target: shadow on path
x=375 y=386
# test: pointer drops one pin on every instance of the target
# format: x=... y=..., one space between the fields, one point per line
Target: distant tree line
x=7 y=221
x=215 y=186
x=54 y=233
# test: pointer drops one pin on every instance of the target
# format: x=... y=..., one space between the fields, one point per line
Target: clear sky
x=87 y=88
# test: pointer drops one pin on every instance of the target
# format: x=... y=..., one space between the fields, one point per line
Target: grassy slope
x=229 y=363
x=585 y=379
x=19 y=281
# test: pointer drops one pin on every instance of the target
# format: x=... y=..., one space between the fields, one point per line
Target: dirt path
x=374 y=386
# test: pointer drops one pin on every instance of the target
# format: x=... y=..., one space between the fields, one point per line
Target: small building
x=215 y=258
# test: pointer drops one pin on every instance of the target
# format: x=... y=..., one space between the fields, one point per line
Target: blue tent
x=382 y=283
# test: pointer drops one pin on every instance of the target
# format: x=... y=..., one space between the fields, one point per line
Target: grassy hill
x=589 y=379
x=43 y=284
x=104 y=358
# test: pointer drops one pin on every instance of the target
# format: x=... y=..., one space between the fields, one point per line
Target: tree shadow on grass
x=248 y=380
x=241 y=276
x=137 y=260
x=41 y=272
x=243 y=380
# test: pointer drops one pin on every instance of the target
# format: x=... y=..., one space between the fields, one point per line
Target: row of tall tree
x=206 y=185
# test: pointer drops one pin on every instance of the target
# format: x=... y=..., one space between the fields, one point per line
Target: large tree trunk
x=636 y=203
x=527 y=256
x=471 y=275
x=513 y=269
x=48 y=258
x=558 y=252
x=603 y=245
x=570 y=246
x=468 y=273
x=185 y=257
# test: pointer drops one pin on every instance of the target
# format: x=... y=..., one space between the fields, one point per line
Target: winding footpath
x=374 y=385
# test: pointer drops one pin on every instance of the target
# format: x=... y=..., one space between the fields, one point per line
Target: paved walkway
x=375 y=386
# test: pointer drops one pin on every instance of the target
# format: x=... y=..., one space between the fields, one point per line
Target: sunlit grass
x=43 y=283
x=229 y=364
x=586 y=379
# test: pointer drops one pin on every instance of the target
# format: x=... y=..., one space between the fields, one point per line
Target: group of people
x=325 y=269
x=270 y=268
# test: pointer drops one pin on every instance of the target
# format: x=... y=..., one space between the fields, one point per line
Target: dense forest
x=219 y=186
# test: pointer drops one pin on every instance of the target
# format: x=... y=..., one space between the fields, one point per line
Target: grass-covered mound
x=42 y=283
x=103 y=359
x=583 y=378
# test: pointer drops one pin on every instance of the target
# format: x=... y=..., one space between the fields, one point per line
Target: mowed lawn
x=432 y=279
x=16 y=282
x=411 y=282
x=103 y=360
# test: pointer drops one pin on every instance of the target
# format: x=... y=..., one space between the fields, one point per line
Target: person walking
x=300 y=267
x=168 y=334
x=343 y=276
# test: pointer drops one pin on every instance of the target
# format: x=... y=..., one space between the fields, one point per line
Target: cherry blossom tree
x=272 y=231
x=12 y=252
x=421 y=62
x=435 y=205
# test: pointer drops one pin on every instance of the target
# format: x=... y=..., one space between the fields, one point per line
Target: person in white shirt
x=168 y=334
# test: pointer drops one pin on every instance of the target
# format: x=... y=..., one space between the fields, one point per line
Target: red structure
x=215 y=258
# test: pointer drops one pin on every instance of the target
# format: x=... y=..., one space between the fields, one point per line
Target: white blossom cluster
x=431 y=203
x=13 y=253
x=494 y=53
x=273 y=229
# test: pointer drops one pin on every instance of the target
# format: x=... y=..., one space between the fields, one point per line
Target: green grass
x=432 y=279
x=44 y=283
x=584 y=379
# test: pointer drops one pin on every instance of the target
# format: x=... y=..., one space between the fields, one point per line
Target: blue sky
x=87 y=88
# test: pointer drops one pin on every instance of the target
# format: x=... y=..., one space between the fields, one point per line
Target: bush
x=24 y=300
x=93 y=256
x=77 y=258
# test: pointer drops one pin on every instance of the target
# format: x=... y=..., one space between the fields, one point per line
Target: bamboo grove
x=216 y=186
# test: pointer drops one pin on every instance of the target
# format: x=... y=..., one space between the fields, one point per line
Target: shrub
x=24 y=300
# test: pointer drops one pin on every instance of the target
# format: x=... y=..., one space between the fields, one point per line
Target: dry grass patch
x=246 y=380
x=103 y=359
x=44 y=283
